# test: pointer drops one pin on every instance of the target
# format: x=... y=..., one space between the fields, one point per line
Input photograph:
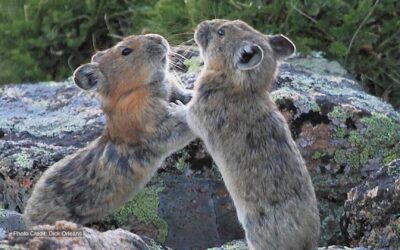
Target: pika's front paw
x=187 y=96
x=177 y=109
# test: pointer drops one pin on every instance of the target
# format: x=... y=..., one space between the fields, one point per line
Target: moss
x=144 y=206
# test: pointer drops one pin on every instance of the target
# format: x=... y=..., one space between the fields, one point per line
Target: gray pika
x=249 y=139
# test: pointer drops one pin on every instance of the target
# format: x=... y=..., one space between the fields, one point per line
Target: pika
x=142 y=128
x=249 y=139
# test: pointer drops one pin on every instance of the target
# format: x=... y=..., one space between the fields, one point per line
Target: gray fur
x=250 y=141
x=99 y=178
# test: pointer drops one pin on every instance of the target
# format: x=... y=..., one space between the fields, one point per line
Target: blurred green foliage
x=44 y=39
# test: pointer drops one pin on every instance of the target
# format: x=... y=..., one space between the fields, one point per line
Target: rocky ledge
x=346 y=136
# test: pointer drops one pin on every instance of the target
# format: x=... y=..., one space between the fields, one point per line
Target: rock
x=241 y=245
x=42 y=123
x=341 y=248
x=344 y=134
x=372 y=210
x=68 y=235
x=233 y=245
x=10 y=221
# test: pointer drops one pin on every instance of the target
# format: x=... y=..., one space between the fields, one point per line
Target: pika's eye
x=221 y=32
x=126 y=51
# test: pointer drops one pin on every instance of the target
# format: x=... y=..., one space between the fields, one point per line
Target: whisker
x=177 y=66
x=179 y=55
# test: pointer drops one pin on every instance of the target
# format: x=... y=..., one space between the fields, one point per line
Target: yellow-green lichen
x=234 y=245
x=340 y=156
x=338 y=115
x=181 y=164
x=152 y=245
x=22 y=160
x=315 y=107
x=316 y=155
x=41 y=104
x=193 y=64
x=381 y=137
x=329 y=225
x=340 y=132
x=353 y=158
x=304 y=104
x=378 y=139
x=144 y=206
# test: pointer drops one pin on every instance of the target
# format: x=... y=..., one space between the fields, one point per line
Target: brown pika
x=248 y=138
x=142 y=129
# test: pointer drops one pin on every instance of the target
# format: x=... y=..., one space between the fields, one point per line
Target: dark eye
x=126 y=51
x=221 y=32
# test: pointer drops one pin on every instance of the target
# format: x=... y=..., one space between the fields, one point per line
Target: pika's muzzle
x=202 y=34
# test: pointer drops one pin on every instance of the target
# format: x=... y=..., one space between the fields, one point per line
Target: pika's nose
x=202 y=34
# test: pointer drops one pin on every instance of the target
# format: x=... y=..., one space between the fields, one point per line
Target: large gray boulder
x=372 y=210
x=68 y=235
x=10 y=221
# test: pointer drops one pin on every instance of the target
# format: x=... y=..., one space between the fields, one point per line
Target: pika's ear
x=88 y=76
x=282 y=46
x=249 y=56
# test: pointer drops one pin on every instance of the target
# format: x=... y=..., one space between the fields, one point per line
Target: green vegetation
x=181 y=164
x=43 y=39
x=144 y=206
x=378 y=140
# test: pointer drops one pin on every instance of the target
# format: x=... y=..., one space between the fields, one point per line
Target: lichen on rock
x=143 y=208
x=371 y=217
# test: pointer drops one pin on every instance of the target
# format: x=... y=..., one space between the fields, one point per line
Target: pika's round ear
x=88 y=76
x=282 y=46
x=249 y=56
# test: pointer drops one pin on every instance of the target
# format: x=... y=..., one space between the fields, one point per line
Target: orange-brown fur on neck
x=126 y=109
x=127 y=101
x=128 y=122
